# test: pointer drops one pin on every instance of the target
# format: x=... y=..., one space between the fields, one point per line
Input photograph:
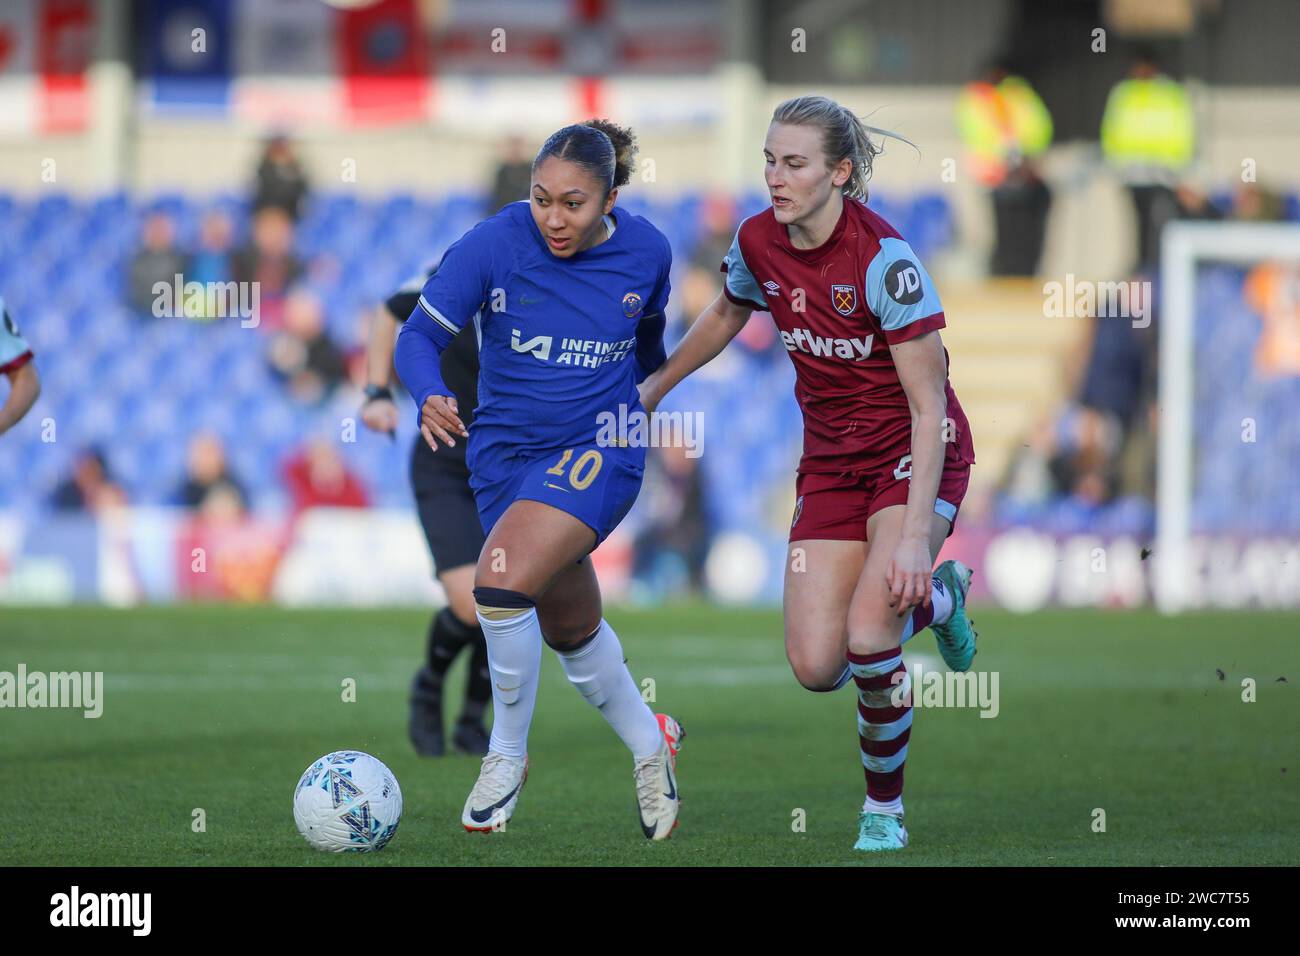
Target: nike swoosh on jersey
x=484 y=815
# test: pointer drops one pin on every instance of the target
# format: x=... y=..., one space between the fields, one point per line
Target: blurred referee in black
x=443 y=498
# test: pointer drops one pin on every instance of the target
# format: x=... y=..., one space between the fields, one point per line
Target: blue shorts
x=596 y=485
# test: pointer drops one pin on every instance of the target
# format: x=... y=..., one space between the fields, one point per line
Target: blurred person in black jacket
x=281 y=182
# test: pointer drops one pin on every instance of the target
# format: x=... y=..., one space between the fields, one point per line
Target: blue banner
x=188 y=52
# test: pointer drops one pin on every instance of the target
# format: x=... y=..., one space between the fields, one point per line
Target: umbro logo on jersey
x=772 y=287
x=801 y=340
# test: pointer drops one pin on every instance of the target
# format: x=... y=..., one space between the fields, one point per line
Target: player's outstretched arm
x=24 y=389
x=716 y=326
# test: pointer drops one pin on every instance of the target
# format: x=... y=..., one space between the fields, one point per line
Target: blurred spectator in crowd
x=211 y=263
x=1113 y=450
x=269 y=260
x=1005 y=126
x=90 y=487
x=672 y=544
x=1028 y=479
x=316 y=477
x=1068 y=458
x=1148 y=135
x=703 y=276
x=209 y=486
x=281 y=183
x=1254 y=203
x=702 y=282
x=718 y=224
x=1194 y=203
x=157 y=260
x=514 y=176
x=1272 y=291
x=213 y=260
x=303 y=354
x=1120 y=371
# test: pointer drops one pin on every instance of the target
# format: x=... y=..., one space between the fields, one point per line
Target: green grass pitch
x=221 y=708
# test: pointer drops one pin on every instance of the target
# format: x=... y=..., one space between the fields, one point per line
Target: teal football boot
x=880 y=831
x=957 y=635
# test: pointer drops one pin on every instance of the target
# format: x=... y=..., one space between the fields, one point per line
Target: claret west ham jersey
x=838 y=308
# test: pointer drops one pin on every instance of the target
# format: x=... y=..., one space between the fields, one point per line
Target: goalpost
x=1187 y=249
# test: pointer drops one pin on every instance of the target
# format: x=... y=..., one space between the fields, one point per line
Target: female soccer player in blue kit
x=568 y=300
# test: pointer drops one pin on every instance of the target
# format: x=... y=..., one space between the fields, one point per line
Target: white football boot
x=492 y=801
x=656 y=783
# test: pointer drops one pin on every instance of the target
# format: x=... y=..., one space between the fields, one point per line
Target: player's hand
x=439 y=421
x=380 y=415
x=646 y=392
x=908 y=576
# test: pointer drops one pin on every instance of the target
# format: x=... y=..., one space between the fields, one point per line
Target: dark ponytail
x=607 y=150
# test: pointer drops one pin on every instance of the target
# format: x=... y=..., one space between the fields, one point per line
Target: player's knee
x=815 y=672
x=498 y=576
x=462 y=605
x=873 y=638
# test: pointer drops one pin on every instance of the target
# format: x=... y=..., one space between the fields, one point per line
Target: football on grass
x=347 y=801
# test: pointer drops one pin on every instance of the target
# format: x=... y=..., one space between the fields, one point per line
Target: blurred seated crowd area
x=250 y=403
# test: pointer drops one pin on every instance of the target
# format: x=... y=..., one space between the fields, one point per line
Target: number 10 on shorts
x=584 y=470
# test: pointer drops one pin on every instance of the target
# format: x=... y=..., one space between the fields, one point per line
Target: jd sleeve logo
x=903 y=283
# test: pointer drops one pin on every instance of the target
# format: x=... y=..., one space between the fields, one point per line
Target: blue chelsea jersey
x=560 y=340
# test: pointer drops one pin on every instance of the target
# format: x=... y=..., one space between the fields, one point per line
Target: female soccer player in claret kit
x=887 y=449
x=568 y=298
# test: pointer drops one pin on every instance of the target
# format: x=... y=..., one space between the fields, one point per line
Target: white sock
x=941 y=598
x=598 y=672
x=894 y=806
x=514 y=649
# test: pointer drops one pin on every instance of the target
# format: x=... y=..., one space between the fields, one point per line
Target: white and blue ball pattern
x=347 y=801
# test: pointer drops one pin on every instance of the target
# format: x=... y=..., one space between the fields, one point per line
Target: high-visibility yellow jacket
x=1000 y=123
x=1148 y=123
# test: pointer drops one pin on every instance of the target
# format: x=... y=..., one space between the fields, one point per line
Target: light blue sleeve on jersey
x=741 y=283
x=898 y=289
x=12 y=344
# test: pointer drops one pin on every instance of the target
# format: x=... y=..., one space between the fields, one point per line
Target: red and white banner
x=45 y=51
x=383 y=57
x=302 y=61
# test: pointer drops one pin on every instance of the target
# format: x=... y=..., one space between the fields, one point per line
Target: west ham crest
x=844 y=298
